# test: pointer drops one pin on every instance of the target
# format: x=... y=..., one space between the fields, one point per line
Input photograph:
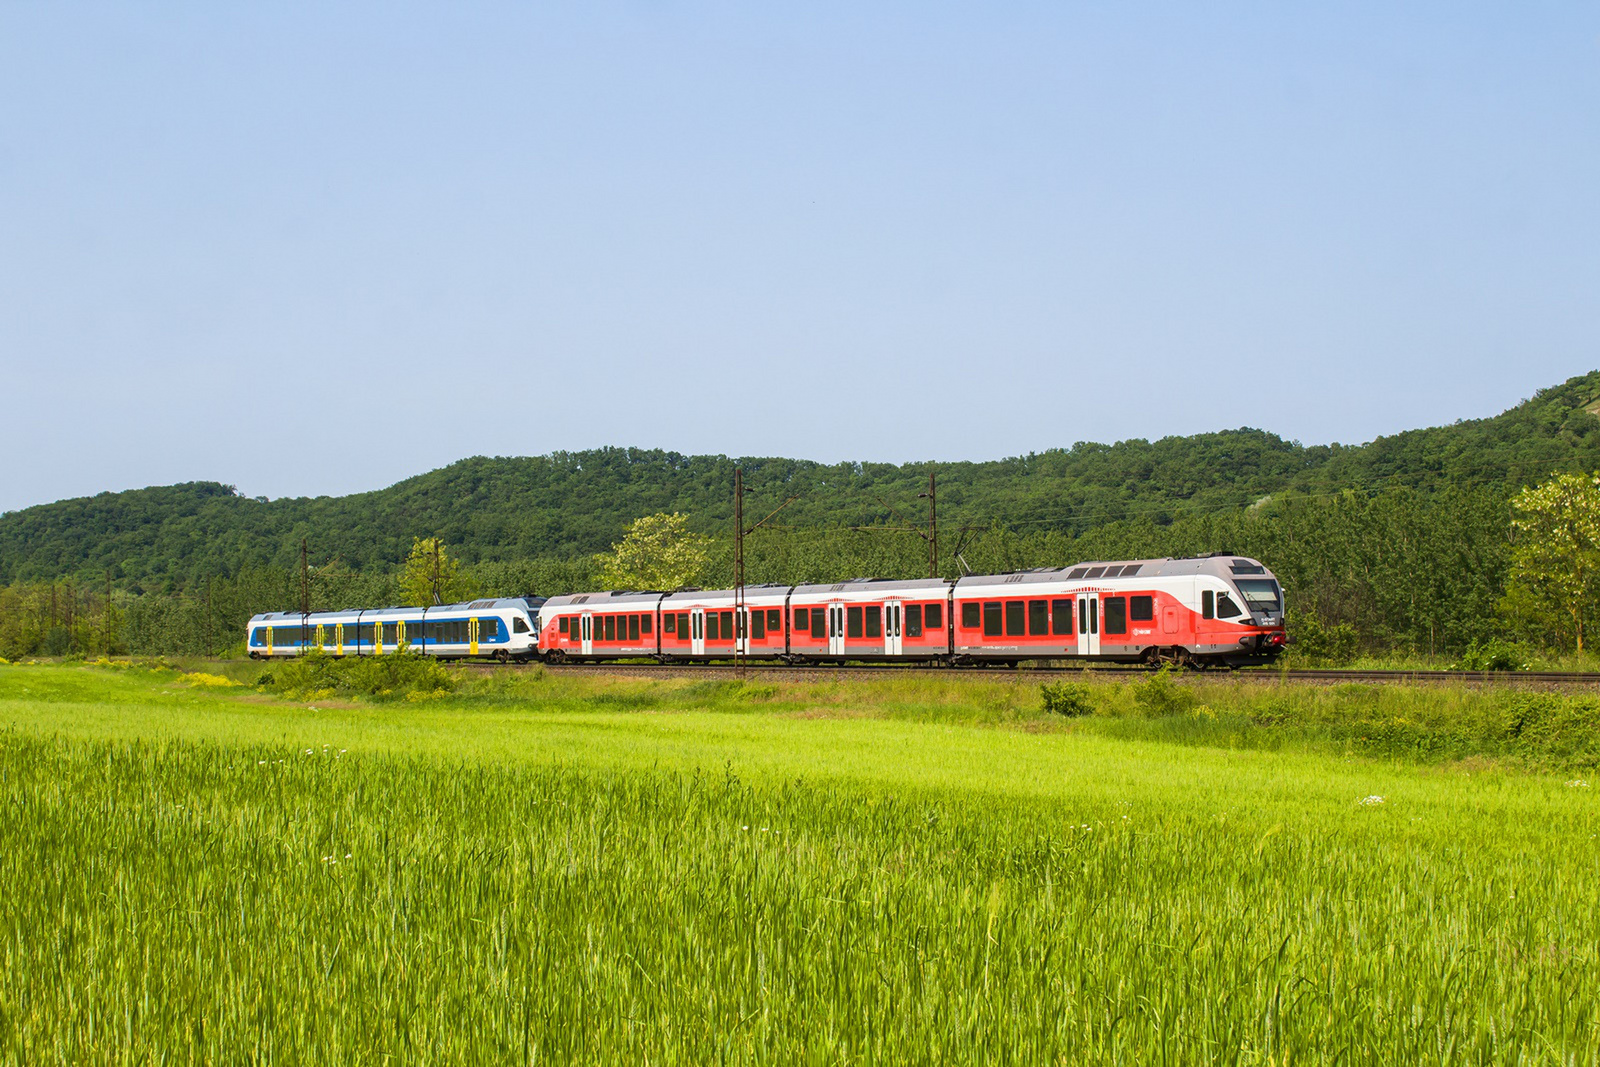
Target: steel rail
x=770 y=672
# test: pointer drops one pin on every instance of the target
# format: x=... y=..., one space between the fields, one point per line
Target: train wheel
x=502 y=656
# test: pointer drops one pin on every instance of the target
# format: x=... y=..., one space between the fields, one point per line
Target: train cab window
x=1141 y=608
x=1038 y=618
x=852 y=622
x=774 y=620
x=669 y=623
x=727 y=626
x=819 y=623
x=1226 y=608
x=1207 y=608
x=646 y=623
x=802 y=620
x=561 y=624
x=1116 y=615
x=993 y=613
x=874 y=621
x=1015 y=610
x=1061 y=618
x=969 y=615
x=758 y=625
x=913 y=620
x=933 y=616
x=683 y=626
x=633 y=627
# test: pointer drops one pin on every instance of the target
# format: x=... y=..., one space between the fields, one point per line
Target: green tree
x=1555 y=555
x=430 y=576
x=657 y=552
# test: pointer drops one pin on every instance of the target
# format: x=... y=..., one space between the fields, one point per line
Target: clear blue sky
x=414 y=233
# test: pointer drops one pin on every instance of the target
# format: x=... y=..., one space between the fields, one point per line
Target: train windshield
x=1261 y=593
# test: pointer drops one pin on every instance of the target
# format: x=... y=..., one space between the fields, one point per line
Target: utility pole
x=932 y=536
x=739 y=627
x=437 y=599
x=305 y=596
x=208 y=615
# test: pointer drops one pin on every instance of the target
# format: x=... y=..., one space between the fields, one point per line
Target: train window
x=1116 y=615
x=1226 y=608
x=1207 y=611
x=633 y=627
x=1015 y=610
x=969 y=615
x=874 y=621
x=611 y=627
x=1076 y=573
x=1132 y=568
x=390 y=634
x=774 y=620
x=933 y=615
x=802 y=619
x=758 y=625
x=913 y=620
x=561 y=624
x=669 y=623
x=1038 y=618
x=727 y=626
x=1142 y=608
x=1061 y=617
x=683 y=626
x=819 y=623
x=646 y=624
x=711 y=627
x=993 y=613
x=1095 y=572
x=852 y=623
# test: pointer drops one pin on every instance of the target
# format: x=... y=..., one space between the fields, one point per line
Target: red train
x=1221 y=609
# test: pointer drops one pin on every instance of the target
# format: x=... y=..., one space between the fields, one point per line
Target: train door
x=836 y=629
x=1089 y=624
x=472 y=637
x=697 y=631
x=741 y=640
x=586 y=631
x=891 y=628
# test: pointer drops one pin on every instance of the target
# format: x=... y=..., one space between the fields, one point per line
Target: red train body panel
x=1212 y=609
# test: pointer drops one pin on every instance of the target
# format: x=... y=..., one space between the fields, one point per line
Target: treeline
x=570 y=505
x=1405 y=569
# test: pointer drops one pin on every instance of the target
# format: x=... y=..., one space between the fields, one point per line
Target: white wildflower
x=1577 y=783
x=1372 y=800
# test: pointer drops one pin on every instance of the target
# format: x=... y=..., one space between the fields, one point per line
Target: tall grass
x=244 y=903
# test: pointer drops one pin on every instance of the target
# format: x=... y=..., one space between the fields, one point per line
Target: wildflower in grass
x=1577 y=783
x=1372 y=800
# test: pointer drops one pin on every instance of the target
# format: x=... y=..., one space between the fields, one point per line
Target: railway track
x=1045 y=673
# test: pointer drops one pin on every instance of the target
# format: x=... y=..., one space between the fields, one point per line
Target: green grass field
x=558 y=869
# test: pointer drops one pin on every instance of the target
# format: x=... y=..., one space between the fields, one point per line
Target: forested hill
x=569 y=504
